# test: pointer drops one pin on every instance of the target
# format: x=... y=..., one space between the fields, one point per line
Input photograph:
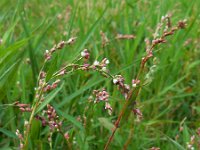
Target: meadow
x=115 y=74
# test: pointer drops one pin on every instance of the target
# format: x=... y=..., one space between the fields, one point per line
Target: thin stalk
x=116 y=125
x=124 y=109
x=129 y=137
x=50 y=143
x=31 y=118
x=29 y=127
x=41 y=92
x=67 y=141
x=122 y=112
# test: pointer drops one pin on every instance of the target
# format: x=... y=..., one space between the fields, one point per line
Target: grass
x=169 y=100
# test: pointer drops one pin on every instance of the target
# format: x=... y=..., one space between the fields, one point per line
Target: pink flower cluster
x=52 y=119
x=52 y=86
x=60 y=45
x=138 y=113
x=85 y=54
x=135 y=82
x=23 y=107
x=124 y=88
x=100 y=66
x=103 y=96
x=21 y=138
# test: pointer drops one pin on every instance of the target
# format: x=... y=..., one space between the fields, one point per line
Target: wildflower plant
x=48 y=116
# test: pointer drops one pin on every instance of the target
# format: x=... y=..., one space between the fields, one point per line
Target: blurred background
x=168 y=102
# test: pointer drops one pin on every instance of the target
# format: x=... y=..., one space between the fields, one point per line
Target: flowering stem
x=156 y=41
x=67 y=141
x=116 y=125
x=31 y=118
x=124 y=109
x=29 y=127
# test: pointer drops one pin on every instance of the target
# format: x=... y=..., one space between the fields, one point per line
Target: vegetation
x=99 y=74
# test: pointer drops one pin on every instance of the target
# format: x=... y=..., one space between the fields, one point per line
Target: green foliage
x=28 y=28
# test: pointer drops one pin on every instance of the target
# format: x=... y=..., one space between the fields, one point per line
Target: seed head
x=85 y=54
x=61 y=45
x=115 y=81
x=96 y=63
x=104 y=69
x=135 y=82
x=71 y=40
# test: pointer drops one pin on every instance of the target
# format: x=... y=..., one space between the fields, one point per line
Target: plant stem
x=31 y=118
x=29 y=127
x=124 y=109
x=116 y=125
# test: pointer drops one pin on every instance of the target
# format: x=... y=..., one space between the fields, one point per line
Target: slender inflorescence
x=130 y=91
x=44 y=86
x=169 y=30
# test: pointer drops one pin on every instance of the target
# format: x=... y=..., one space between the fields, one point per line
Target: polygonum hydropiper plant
x=48 y=115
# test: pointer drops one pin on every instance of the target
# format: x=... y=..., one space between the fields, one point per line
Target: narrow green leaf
x=69 y=117
x=178 y=146
x=171 y=86
x=78 y=92
x=6 y=52
x=90 y=33
x=9 y=69
x=193 y=64
x=35 y=131
x=106 y=123
x=8 y=133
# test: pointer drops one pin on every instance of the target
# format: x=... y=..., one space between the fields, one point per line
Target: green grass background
x=29 y=27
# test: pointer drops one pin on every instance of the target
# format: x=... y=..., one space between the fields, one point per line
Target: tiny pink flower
x=85 y=54
x=104 y=69
x=115 y=81
x=108 y=107
x=71 y=40
x=62 y=72
x=96 y=63
x=42 y=74
x=66 y=136
x=61 y=45
x=135 y=82
x=107 y=62
x=85 y=67
x=47 y=55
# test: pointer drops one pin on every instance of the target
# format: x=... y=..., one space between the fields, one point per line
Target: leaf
x=33 y=60
x=186 y=135
x=69 y=118
x=78 y=92
x=7 y=53
x=89 y=34
x=9 y=69
x=35 y=130
x=193 y=64
x=35 y=137
x=10 y=61
x=172 y=85
x=106 y=123
x=176 y=144
x=8 y=133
